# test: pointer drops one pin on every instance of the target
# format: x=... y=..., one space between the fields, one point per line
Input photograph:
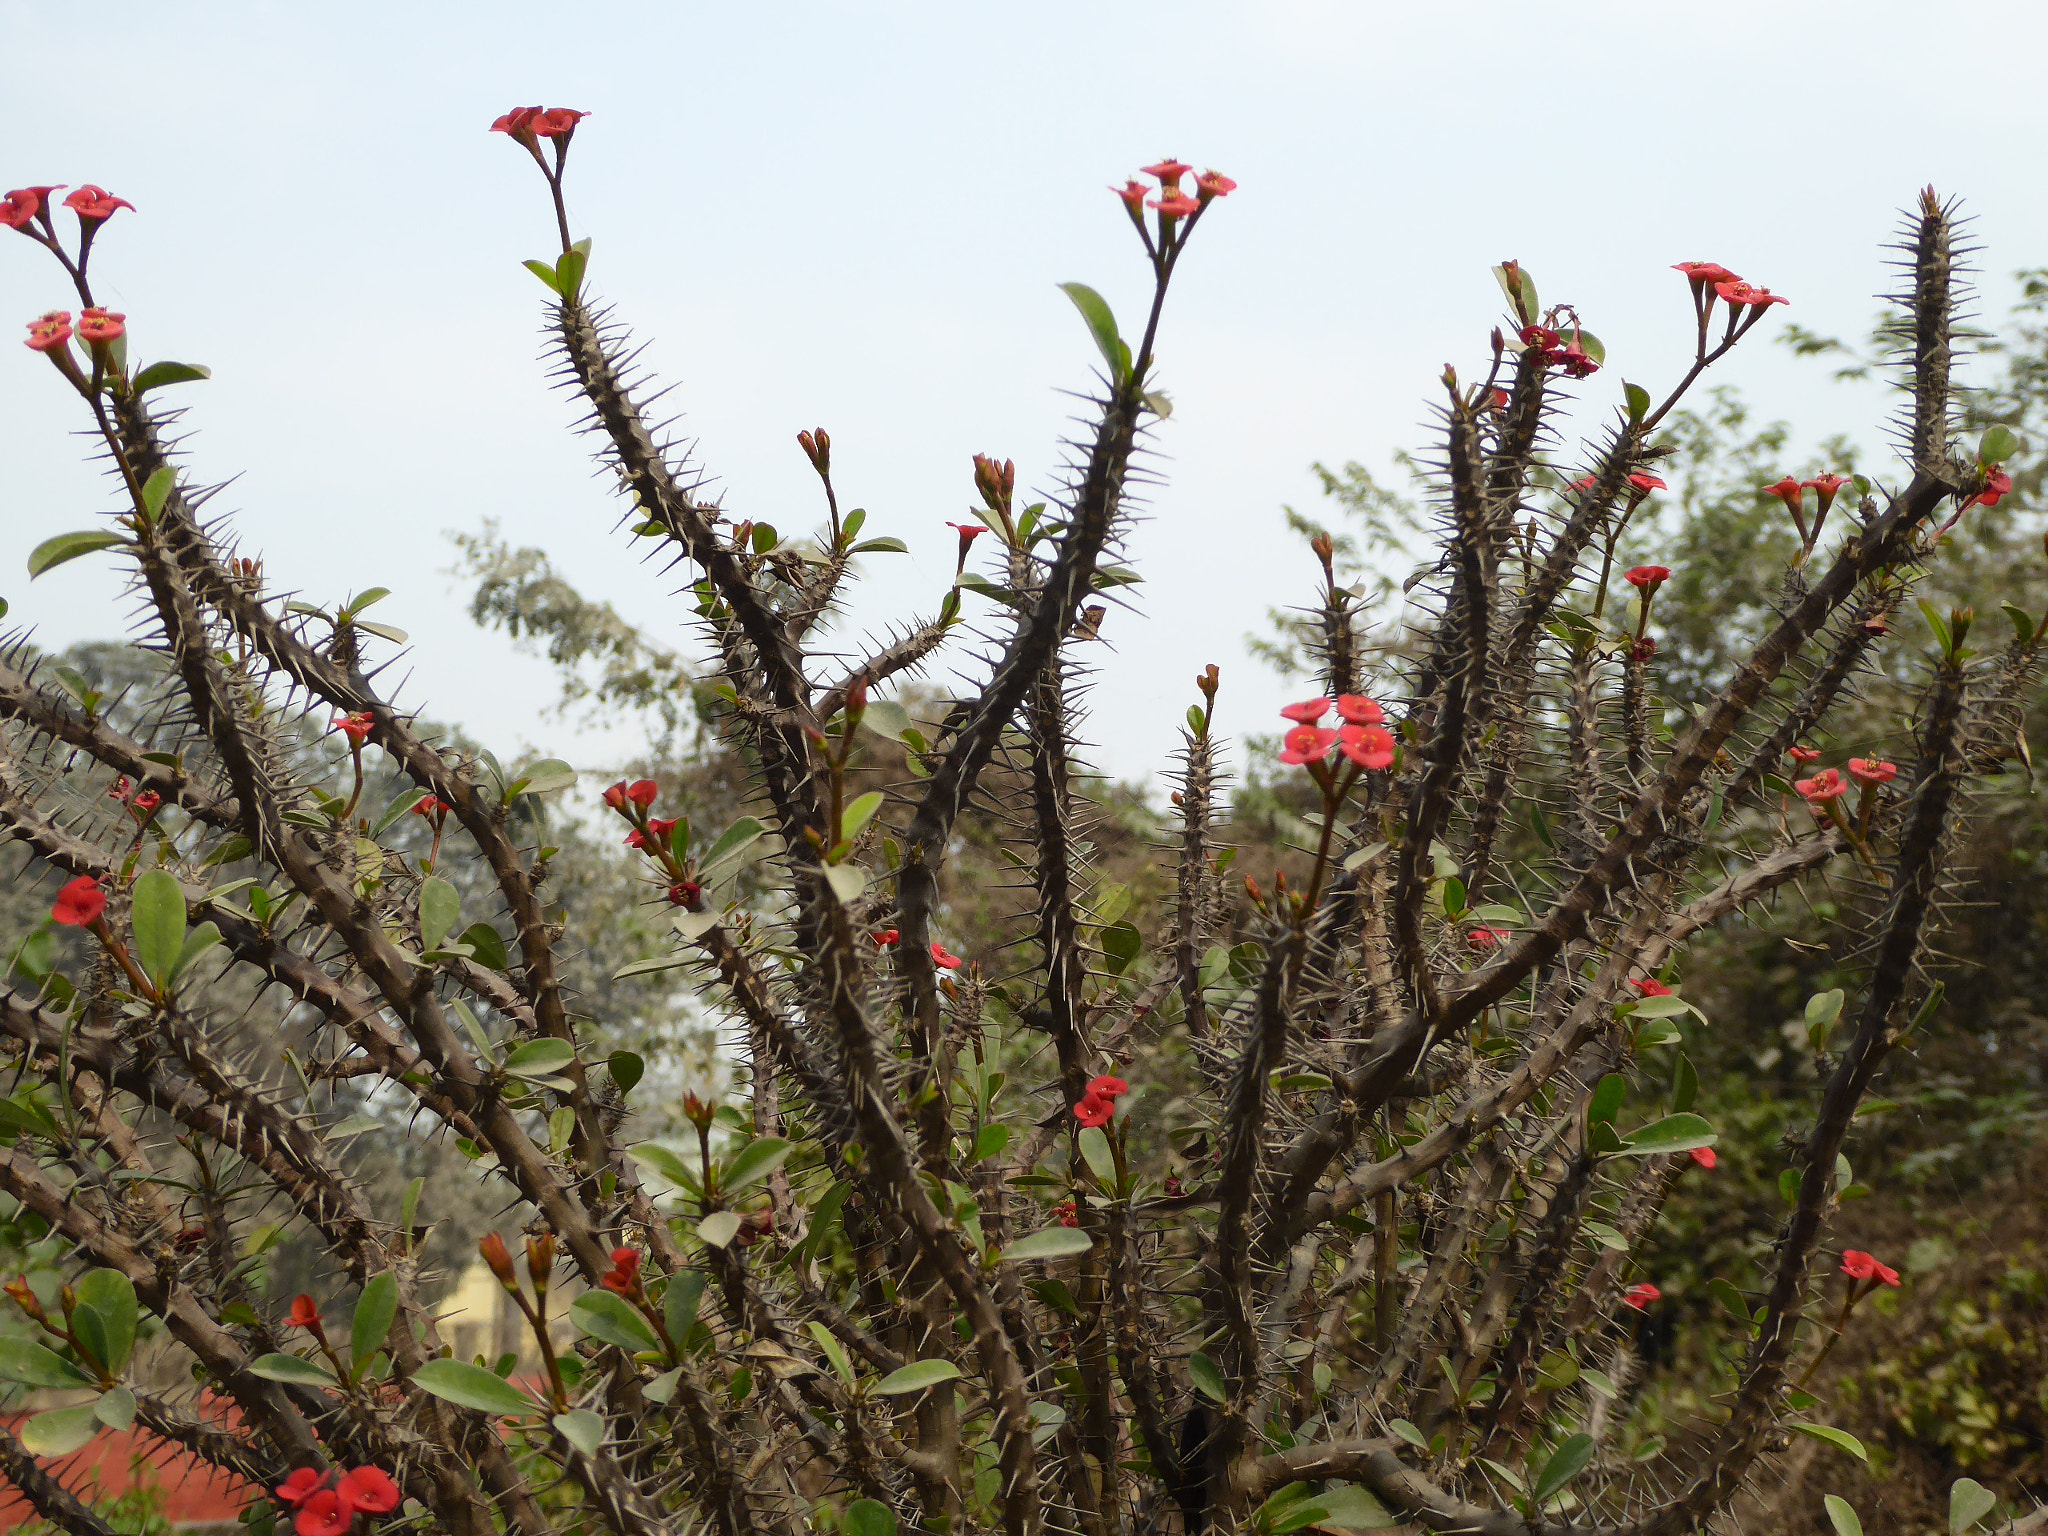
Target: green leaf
x=375 y=1309
x=569 y=270
x=1638 y=399
x=27 y=1362
x=1667 y=1007
x=847 y=881
x=1410 y=1433
x=755 y=1161
x=1208 y=1380
x=1685 y=1085
x=666 y=1162
x=1968 y=1502
x=1841 y=1439
x=540 y=1058
x=471 y=1386
x=626 y=1068
x=989 y=1141
x=1997 y=445
x=545 y=271
x=609 y=1316
x=1349 y=1507
x=732 y=842
x=1095 y=1152
x=1049 y=1243
x=916 y=1377
x=111 y=1295
x=679 y=1303
x=157 y=375
x=1566 y=1463
x=157 y=915
x=1102 y=326
x=197 y=943
x=291 y=1369
x=881 y=547
x=1939 y=625
x=859 y=814
x=61 y=1431
x=158 y=489
x=719 y=1228
x=2022 y=622
x=1607 y=1099
x=548 y=776
x=51 y=553
x=866 y=1517
x=1842 y=1515
x=440 y=910
x=581 y=1428
x=487 y=945
x=1674 y=1133
x=116 y=1410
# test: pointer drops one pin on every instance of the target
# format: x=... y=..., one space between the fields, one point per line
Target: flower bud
x=697 y=1112
x=24 y=1298
x=1208 y=681
x=1324 y=548
x=540 y=1259
x=499 y=1258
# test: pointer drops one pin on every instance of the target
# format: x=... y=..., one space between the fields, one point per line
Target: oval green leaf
x=540 y=1058
x=440 y=908
x=1674 y=1133
x=1842 y=1515
x=1208 y=1379
x=157 y=375
x=1566 y=1463
x=916 y=1377
x=1841 y=1439
x=61 y=1431
x=111 y=1295
x=471 y=1386
x=755 y=1161
x=291 y=1370
x=1968 y=1502
x=27 y=1362
x=610 y=1317
x=51 y=553
x=868 y=1517
x=157 y=916
x=367 y=1330
x=582 y=1429
x=1050 y=1243
x=1101 y=325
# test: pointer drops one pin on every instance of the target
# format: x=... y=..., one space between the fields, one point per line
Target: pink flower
x=1648 y=578
x=1306 y=744
x=1704 y=1156
x=1483 y=939
x=1702 y=273
x=1307 y=712
x=1735 y=293
x=79 y=904
x=518 y=122
x=1858 y=1265
x=101 y=325
x=1369 y=746
x=1357 y=710
x=53 y=330
x=368 y=1489
x=299 y=1487
x=1133 y=194
x=1996 y=485
x=1640 y=1296
x=1169 y=172
x=1650 y=986
x=1111 y=1088
x=1646 y=482
x=23 y=204
x=1787 y=490
x=968 y=532
x=1803 y=754
x=1870 y=770
x=1212 y=184
x=1177 y=207
x=1094 y=1111
x=1826 y=486
x=1824 y=786
x=95 y=204
x=556 y=120
x=324 y=1514
x=943 y=960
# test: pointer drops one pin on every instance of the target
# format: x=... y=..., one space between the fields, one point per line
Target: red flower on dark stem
x=643 y=792
x=1858 y=1265
x=556 y=122
x=1702 y=274
x=95 y=204
x=1174 y=207
x=23 y=204
x=52 y=330
x=1169 y=172
x=968 y=532
x=943 y=960
x=1648 y=578
x=80 y=902
x=305 y=1313
x=615 y=797
x=1704 y=1156
x=1358 y=711
x=355 y=727
x=685 y=893
x=1111 y=1088
x=1787 y=490
x=1369 y=746
x=885 y=937
x=1736 y=293
x=1306 y=744
x=1824 y=786
x=518 y=122
x=1870 y=770
x=1826 y=487
x=1094 y=1111
x=1803 y=754
x=101 y=325
x=1214 y=184
x=624 y=1275
x=1539 y=336
x=1483 y=939
x=147 y=803
x=324 y=1514
x=1646 y=482
x=1640 y=1296
x=1133 y=195
x=1997 y=484
x=368 y=1489
x=655 y=834
x=300 y=1486
x=1068 y=1214
x=1650 y=986
x=1307 y=712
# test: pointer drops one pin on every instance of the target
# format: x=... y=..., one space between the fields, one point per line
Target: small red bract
x=1168 y=171
x=1111 y=1088
x=1803 y=754
x=1787 y=490
x=885 y=937
x=1872 y=770
x=517 y=122
x=1640 y=1296
x=300 y=1486
x=1996 y=485
x=1068 y=1213
x=1094 y=1111
x=1648 y=578
x=1306 y=744
x=23 y=204
x=52 y=330
x=1704 y=1156
x=368 y=1489
x=1736 y=292
x=1176 y=207
x=1826 y=785
x=305 y=1312
x=324 y=1514
x=1858 y=1265
x=556 y=121
x=1702 y=273
x=1483 y=939
x=1826 y=486
x=355 y=727
x=1369 y=746
x=80 y=902
x=95 y=203
x=1133 y=194
x=1357 y=710
x=1307 y=712
x=101 y=325
x=1644 y=482
x=643 y=792
x=1214 y=184
x=943 y=960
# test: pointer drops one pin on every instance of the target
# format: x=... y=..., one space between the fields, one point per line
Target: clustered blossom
x=1858 y=1265
x=1363 y=737
x=325 y=1511
x=1098 y=1104
x=1173 y=200
x=641 y=792
x=1549 y=349
x=527 y=124
x=79 y=904
x=101 y=325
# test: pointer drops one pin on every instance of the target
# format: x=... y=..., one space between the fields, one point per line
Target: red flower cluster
x=1640 y=1296
x=1098 y=1104
x=641 y=792
x=1173 y=202
x=527 y=124
x=1363 y=737
x=1549 y=349
x=624 y=1275
x=325 y=1511
x=1068 y=1213
x=1858 y=1265
x=79 y=904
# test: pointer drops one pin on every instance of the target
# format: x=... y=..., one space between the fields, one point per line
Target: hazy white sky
x=855 y=216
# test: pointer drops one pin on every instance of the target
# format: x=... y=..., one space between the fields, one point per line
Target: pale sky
x=856 y=216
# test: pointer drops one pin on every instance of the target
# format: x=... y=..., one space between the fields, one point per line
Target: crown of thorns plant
x=1329 y=1205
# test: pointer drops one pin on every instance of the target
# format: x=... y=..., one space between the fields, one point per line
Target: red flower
x=1307 y=712
x=1704 y=1156
x=1826 y=785
x=355 y=727
x=685 y=893
x=1640 y=1296
x=1356 y=710
x=324 y=1514
x=1584 y=483
x=1803 y=754
x=1177 y=207
x=95 y=203
x=1735 y=293
x=1648 y=578
x=1214 y=184
x=79 y=903
x=1578 y=363
x=1111 y=1088
x=613 y=1280
x=368 y=1489
x=615 y=797
x=555 y=121
x=1650 y=986
x=1858 y=1265
x=968 y=532
x=518 y=122
x=885 y=937
x=1646 y=482
x=148 y=801
x=498 y=1257
x=300 y=1486
x=23 y=204
x=1870 y=770
x=1369 y=746
x=1133 y=194
x=305 y=1314
x=1306 y=744
x=943 y=960
x=1826 y=486
x=1483 y=939
x=1094 y=1111
x=101 y=325
x=1173 y=1188
x=1996 y=484
x=1540 y=337
x=1069 y=1216
x=1701 y=273
x=655 y=834
x=1169 y=173
x=53 y=330
x=642 y=792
